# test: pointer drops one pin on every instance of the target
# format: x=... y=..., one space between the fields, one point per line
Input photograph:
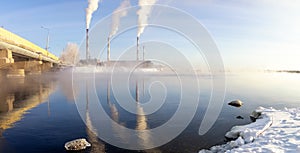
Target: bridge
x=19 y=56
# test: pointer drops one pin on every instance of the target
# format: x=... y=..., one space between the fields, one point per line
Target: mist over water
x=46 y=105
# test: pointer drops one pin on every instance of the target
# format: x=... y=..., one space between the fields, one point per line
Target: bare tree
x=70 y=54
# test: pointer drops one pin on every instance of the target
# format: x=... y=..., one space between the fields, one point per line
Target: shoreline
x=272 y=131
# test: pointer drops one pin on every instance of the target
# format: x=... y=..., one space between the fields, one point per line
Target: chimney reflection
x=141 y=118
x=97 y=145
x=113 y=109
x=141 y=121
x=115 y=115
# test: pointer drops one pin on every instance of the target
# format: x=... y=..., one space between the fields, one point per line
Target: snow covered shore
x=273 y=131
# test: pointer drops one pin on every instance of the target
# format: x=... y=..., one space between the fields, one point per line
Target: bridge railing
x=13 y=39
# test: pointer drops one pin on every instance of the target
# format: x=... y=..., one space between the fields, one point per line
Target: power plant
x=141 y=62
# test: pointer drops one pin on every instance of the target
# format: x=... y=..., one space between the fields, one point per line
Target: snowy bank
x=273 y=131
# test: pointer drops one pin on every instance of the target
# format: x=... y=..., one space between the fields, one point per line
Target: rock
x=255 y=115
x=78 y=144
x=238 y=142
x=240 y=117
x=236 y=103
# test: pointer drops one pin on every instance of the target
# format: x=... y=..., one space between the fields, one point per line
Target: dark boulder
x=236 y=103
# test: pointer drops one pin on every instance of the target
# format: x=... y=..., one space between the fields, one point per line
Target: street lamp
x=48 y=37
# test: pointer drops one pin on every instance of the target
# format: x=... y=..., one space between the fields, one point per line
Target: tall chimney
x=137 y=48
x=108 y=49
x=87 y=45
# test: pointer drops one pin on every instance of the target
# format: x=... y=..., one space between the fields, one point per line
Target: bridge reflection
x=17 y=96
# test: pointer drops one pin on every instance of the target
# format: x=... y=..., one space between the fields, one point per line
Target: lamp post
x=48 y=37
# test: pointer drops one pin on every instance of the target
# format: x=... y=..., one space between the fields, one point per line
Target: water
x=39 y=114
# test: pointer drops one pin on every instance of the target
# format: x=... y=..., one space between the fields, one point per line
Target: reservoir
x=41 y=113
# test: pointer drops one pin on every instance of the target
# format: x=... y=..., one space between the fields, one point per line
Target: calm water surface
x=39 y=114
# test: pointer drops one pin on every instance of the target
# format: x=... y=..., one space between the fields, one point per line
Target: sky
x=256 y=34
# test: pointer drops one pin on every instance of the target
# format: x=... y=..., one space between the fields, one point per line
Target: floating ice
x=78 y=144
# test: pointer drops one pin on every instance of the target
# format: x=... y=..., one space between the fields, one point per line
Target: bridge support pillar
x=6 y=56
x=19 y=68
x=31 y=67
x=37 y=67
x=46 y=66
x=15 y=73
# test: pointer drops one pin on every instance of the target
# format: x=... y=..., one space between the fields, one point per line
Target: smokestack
x=108 y=49
x=137 y=48
x=87 y=45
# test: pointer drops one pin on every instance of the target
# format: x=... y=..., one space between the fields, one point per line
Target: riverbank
x=273 y=131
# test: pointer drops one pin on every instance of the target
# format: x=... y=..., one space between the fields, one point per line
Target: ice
x=273 y=131
x=78 y=144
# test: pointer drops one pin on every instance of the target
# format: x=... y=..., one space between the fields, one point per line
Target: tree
x=70 y=54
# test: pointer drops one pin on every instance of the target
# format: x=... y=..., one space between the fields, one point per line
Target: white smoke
x=117 y=15
x=92 y=7
x=143 y=14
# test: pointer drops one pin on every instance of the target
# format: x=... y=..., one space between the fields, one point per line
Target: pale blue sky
x=256 y=34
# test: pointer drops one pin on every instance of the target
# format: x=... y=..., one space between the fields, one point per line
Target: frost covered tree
x=70 y=54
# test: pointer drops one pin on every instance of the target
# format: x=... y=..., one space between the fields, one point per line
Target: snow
x=273 y=131
x=78 y=144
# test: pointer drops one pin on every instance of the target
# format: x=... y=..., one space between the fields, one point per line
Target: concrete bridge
x=19 y=56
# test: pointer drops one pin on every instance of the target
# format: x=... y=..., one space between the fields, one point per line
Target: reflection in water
x=97 y=146
x=144 y=134
x=122 y=135
x=141 y=125
x=6 y=103
x=113 y=109
x=39 y=133
x=141 y=118
x=21 y=95
x=66 y=85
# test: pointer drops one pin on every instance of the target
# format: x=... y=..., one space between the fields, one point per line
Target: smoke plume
x=92 y=7
x=117 y=15
x=143 y=14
